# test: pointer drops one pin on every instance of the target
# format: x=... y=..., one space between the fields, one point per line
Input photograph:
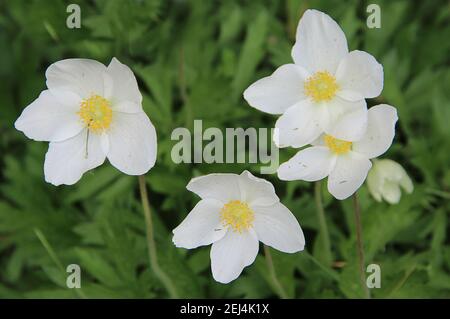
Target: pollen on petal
x=96 y=113
x=321 y=86
x=238 y=215
x=336 y=145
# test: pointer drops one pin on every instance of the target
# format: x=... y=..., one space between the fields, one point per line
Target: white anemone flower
x=90 y=112
x=235 y=213
x=345 y=163
x=323 y=91
x=385 y=180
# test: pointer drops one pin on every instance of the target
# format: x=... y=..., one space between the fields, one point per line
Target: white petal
x=346 y=120
x=104 y=140
x=201 y=227
x=124 y=92
x=380 y=131
x=348 y=174
x=320 y=141
x=359 y=76
x=277 y=227
x=309 y=164
x=406 y=183
x=82 y=76
x=127 y=107
x=67 y=161
x=132 y=143
x=256 y=191
x=375 y=183
x=391 y=192
x=223 y=187
x=48 y=119
x=299 y=125
x=320 y=43
x=274 y=94
x=232 y=253
x=390 y=170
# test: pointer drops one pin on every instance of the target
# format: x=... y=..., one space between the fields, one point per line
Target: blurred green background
x=193 y=59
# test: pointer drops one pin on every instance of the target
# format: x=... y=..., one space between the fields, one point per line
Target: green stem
x=403 y=280
x=280 y=290
x=55 y=259
x=162 y=276
x=360 y=245
x=323 y=229
x=327 y=270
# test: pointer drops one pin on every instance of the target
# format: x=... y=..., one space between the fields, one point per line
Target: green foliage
x=193 y=59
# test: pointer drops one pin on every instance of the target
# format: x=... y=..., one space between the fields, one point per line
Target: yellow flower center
x=96 y=113
x=238 y=215
x=336 y=145
x=321 y=86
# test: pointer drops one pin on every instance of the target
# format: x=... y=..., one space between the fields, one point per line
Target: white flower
x=345 y=163
x=234 y=214
x=385 y=179
x=323 y=91
x=90 y=112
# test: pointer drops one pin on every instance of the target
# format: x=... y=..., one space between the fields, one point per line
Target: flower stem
x=162 y=276
x=322 y=224
x=55 y=259
x=281 y=292
x=360 y=245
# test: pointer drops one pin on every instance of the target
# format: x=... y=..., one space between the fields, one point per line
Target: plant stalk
x=55 y=259
x=159 y=272
x=323 y=229
x=360 y=245
x=280 y=290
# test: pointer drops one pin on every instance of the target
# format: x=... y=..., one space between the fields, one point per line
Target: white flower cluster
x=321 y=99
x=91 y=112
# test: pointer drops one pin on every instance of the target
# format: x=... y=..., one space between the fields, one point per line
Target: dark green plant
x=193 y=59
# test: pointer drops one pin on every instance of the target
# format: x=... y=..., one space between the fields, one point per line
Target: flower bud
x=385 y=180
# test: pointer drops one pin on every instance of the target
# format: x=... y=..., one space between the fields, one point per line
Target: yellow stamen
x=321 y=86
x=336 y=145
x=238 y=215
x=96 y=113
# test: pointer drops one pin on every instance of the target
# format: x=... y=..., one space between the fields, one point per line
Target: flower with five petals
x=323 y=91
x=90 y=112
x=235 y=213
